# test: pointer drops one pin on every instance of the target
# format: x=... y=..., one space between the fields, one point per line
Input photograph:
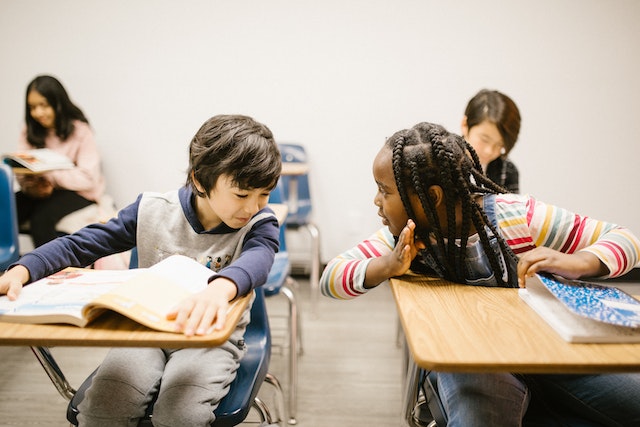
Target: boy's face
x=229 y=204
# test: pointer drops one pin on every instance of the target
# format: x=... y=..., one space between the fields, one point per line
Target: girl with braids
x=52 y=121
x=442 y=216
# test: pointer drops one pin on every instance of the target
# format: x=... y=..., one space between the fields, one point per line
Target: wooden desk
x=451 y=327
x=293 y=168
x=113 y=330
x=456 y=328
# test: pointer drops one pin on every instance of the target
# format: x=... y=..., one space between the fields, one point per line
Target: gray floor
x=349 y=373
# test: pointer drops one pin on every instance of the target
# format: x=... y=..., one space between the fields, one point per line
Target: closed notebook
x=584 y=312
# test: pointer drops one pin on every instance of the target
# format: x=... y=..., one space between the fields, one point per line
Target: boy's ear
x=197 y=184
x=437 y=195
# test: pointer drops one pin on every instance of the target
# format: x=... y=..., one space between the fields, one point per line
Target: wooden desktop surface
x=293 y=168
x=451 y=327
x=114 y=330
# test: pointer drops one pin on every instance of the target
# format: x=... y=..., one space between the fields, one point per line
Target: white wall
x=341 y=76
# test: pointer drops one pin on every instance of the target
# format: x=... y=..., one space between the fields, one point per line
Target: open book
x=78 y=296
x=38 y=160
x=584 y=312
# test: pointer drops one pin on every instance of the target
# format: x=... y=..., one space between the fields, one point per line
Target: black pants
x=44 y=214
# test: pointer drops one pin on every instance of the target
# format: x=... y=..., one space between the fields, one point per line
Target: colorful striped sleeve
x=527 y=223
x=343 y=277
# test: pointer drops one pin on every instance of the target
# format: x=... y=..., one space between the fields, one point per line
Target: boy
x=220 y=217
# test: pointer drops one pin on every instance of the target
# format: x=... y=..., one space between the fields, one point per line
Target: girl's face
x=40 y=109
x=229 y=204
x=485 y=138
x=387 y=199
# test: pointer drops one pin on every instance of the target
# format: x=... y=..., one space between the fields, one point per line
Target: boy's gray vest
x=163 y=230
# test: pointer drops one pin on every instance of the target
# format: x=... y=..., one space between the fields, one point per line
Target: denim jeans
x=503 y=400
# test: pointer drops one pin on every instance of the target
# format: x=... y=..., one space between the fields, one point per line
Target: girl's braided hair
x=427 y=155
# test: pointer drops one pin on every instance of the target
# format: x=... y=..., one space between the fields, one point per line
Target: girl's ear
x=464 y=126
x=437 y=195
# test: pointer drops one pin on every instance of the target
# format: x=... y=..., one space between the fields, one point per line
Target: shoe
x=422 y=415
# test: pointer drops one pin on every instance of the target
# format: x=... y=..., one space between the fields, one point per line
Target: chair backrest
x=276 y=196
x=295 y=153
x=9 y=247
x=253 y=369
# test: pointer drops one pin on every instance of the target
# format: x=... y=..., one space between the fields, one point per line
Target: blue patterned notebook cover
x=603 y=303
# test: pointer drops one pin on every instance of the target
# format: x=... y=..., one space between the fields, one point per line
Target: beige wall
x=339 y=77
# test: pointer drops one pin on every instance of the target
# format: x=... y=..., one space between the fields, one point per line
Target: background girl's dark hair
x=498 y=108
x=237 y=146
x=65 y=110
x=427 y=155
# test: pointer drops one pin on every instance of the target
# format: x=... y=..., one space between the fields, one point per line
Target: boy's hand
x=11 y=281
x=205 y=311
x=569 y=266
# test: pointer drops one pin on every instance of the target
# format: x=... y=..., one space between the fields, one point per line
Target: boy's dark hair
x=427 y=155
x=499 y=109
x=65 y=110
x=237 y=146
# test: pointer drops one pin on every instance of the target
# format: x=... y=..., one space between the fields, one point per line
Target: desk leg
x=411 y=385
x=54 y=372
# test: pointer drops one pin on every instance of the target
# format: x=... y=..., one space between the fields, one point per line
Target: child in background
x=221 y=213
x=54 y=122
x=442 y=216
x=491 y=124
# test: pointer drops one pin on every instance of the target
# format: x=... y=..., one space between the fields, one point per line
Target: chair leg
x=263 y=410
x=54 y=372
x=279 y=397
x=291 y=285
x=294 y=322
x=314 y=276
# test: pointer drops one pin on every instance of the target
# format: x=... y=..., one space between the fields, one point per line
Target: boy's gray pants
x=189 y=382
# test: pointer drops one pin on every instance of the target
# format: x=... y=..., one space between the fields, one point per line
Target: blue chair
x=9 y=246
x=297 y=195
x=280 y=282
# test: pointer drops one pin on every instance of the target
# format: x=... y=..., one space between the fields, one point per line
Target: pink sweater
x=86 y=178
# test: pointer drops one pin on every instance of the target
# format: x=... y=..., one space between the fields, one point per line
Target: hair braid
x=398 y=167
x=429 y=155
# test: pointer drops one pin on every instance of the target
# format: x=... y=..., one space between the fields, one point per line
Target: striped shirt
x=525 y=223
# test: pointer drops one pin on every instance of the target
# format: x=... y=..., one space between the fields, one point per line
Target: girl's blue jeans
x=547 y=400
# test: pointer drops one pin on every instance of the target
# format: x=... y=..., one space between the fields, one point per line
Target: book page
x=150 y=295
x=61 y=297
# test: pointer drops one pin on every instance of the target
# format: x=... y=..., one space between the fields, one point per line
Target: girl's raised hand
x=405 y=250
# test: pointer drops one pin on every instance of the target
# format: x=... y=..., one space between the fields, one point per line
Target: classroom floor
x=349 y=372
